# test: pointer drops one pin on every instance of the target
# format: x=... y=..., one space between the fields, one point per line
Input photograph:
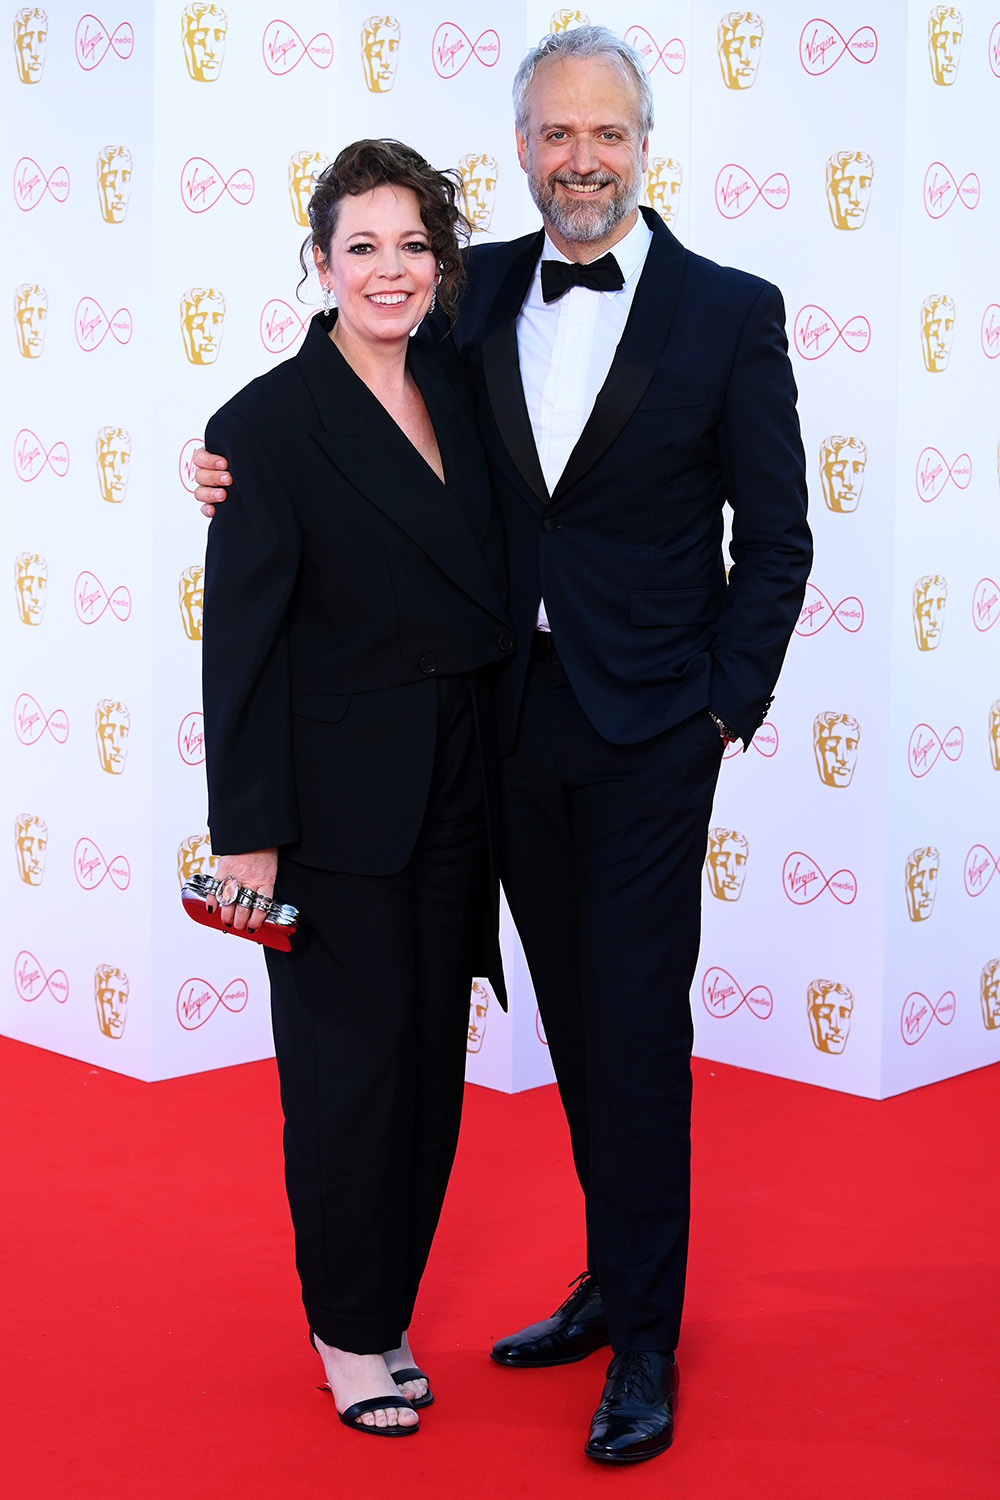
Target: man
x=622 y=402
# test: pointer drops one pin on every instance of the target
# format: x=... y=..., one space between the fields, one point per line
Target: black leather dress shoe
x=574 y=1330
x=635 y=1419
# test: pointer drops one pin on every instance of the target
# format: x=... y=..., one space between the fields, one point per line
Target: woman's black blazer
x=341 y=578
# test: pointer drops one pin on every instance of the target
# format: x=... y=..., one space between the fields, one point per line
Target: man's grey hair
x=584 y=41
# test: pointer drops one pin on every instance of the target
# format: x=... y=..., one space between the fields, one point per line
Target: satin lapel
x=637 y=355
x=503 y=372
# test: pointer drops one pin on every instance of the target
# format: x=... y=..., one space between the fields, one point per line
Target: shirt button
x=428 y=664
x=549 y=525
x=505 y=642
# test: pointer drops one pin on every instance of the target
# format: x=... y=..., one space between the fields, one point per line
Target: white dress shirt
x=565 y=349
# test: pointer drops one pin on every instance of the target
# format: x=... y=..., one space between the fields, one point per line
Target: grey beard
x=584 y=223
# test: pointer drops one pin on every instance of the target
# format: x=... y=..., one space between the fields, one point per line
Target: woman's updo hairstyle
x=366 y=165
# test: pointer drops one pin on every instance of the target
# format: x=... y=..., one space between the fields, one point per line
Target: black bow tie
x=602 y=275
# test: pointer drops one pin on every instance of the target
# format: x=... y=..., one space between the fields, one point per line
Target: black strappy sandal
x=402 y=1376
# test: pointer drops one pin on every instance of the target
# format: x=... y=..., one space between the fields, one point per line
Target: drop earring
x=326 y=298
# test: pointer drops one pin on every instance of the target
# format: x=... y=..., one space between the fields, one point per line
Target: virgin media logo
x=736 y=191
x=985 y=604
x=918 y=1013
x=283 y=49
x=934 y=473
x=31 y=721
x=91 y=599
x=989 y=331
x=994 y=50
x=94 y=41
x=672 y=54
x=31 y=456
x=980 y=867
x=803 y=881
x=821 y=46
x=942 y=191
x=281 y=326
x=722 y=996
x=92 y=325
x=817 y=612
x=186 y=465
x=191 y=739
x=197 y=1001
x=451 y=49
x=202 y=185
x=31 y=184
x=91 y=868
x=816 y=333
x=765 y=742
x=926 y=747
x=31 y=980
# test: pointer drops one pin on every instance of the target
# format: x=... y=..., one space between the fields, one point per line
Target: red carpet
x=840 y=1340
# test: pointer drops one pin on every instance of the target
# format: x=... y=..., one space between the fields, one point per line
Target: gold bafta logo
x=114 y=183
x=203 y=312
x=842 y=461
x=114 y=455
x=994 y=727
x=937 y=329
x=741 y=35
x=830 y=1008
x=989 y=994
x=836 y=737
x=191 y=597
x=195 y=857
x=479 y=186
x=930 y=595
x=112 y=726
x=303 y=169
x=203 y=33
x=944 y=42
x=31 y=311
x=726 y=863
x=565 y=19
x=380 y=38
x=922 y=866
x=479 y=1001
x=111 y=998
x=849 y=188
x=31 y=839
x=663 y=187
x=31 y=582
x=31 y=32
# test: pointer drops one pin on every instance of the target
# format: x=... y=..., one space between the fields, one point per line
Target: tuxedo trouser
x=370 y=1018
x=601 y=859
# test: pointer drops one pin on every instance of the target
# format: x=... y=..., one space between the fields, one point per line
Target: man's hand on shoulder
x=210 y=472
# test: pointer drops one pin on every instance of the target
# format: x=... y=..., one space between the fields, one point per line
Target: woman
x=351 y=609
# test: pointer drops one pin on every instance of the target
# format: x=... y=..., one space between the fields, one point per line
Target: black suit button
x=505 y=641
x=549 y=525
x=428 y=664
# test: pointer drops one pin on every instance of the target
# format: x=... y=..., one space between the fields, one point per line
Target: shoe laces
x=580 y=1289
x=636 y=1375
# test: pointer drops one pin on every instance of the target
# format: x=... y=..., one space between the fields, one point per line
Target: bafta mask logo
x=112 y=724
x=31 y=582
x=842 y=463
x=479 y=187
x=835 y=744
x=930 y=595
x=944 y=42
x=741 y=34
x=830 y=1006
x=203 y=312
x=479 y=1001
x=111 y=998
x=849 y=188
x=114 y=456
x=380 y=37
x=191 y=597
x=989 y=994
x=203 y=33
x=565 y=19
x=937 y=329
x=303 y=169
x=726 y=863
x=31 y=839
x=31 y=311
x=31 y=32
x=114 y=183
x=922 y=866
x=994 y=727
x=663 y=187
x=195 y=857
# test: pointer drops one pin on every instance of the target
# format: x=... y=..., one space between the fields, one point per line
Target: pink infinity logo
x=31 y=184
x=994 y=50
x=941 y=192
x=817 y=612
x=197 y=1001
x=31 y=721
x=803 y=881
x=985 y=604
x=816 y=332
x=926 y=745
x=186 y=465
x=91 y=599
x=93 y=42
x=765 y=742
x=191 y=739
x=31 y=981
x=90 y=867
x=284 y=49
x=989 y=331
x=202 y=185
x=91 y=324
x=734 y=184
x=934 y=472
x=723 y=997
x=451 y=49
x=980 y=867
x=280 y=326
x=821 y=46
x=918 y=1013
x=672 y=54
x=31 y=456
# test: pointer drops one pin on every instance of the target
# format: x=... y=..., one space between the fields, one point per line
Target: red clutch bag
x=276 y=931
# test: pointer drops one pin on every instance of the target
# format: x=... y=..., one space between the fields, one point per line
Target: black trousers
x=602 y=849
x=370 y=1017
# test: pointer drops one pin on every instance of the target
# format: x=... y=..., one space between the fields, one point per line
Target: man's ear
x=645 y=152
x=522 y=149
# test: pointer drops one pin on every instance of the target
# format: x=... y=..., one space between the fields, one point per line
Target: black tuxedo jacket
x=341 y=577
x=698 y=410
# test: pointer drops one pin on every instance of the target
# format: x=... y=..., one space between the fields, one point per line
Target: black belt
x=543 y=647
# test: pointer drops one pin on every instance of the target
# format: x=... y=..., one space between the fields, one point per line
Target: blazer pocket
x=659 y=399
x=677 y=606
x=330 y=708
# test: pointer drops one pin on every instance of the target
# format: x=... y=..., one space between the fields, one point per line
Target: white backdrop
x=158 y=158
